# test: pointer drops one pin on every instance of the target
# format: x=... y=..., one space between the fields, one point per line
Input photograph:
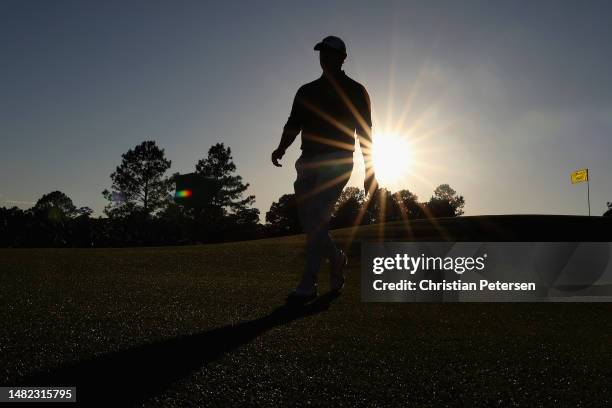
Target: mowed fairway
x=200 y=326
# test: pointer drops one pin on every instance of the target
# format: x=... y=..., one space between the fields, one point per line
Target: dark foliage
x=348 y=208
x=282 y=219
x=219 y=165
x=354 y=208
x=445 y=202
x=229 y=214
x=139 y=182
x=608 y=212
x=141 y=210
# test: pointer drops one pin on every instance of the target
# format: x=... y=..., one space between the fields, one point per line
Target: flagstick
x=588 y=192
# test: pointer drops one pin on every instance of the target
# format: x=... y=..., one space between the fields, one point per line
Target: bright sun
x=392 y=159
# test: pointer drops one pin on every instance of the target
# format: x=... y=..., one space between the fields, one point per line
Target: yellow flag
x=579 y=176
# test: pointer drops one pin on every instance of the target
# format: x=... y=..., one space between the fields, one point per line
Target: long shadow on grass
x=129 y=376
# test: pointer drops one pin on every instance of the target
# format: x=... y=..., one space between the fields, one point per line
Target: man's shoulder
x=310 y=85
x=352 y=82
x=355 y=86
x=315 y=85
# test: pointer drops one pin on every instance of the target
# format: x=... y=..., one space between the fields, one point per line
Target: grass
x=200 y=326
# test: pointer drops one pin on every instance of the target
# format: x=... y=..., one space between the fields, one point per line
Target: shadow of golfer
x=127 y=377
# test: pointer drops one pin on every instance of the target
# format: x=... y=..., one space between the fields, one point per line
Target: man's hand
x=370 y=185
x=276 y=156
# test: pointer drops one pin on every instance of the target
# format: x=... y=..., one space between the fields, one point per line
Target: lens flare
x=184 y=194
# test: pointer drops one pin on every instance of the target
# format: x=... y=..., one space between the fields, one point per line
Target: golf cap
x=333 y=43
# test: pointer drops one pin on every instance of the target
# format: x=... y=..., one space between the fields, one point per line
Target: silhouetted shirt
x=328 y=111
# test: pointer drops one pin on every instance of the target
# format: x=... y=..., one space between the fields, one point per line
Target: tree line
x=354 y=208
x=141 y=209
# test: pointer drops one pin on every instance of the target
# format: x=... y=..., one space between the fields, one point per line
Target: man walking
x=328 y=112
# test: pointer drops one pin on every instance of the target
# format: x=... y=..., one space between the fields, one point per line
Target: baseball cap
x=332 y=42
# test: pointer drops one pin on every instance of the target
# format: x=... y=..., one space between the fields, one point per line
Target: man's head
x=332 y=53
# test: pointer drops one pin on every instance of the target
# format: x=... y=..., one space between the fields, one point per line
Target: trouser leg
x=313 y=263
x=319 y=245
x=315 y=212
x=328 y=248
x=305 y=183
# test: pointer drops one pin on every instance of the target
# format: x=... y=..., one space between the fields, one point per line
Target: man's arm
x=290 y=131
x=364 y=133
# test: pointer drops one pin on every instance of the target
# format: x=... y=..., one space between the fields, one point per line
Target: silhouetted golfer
x=328 y=111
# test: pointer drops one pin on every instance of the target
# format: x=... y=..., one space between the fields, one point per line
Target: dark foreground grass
x=201 y=326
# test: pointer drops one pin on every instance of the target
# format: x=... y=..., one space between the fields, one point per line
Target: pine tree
x=219 y=166
x=139 y=182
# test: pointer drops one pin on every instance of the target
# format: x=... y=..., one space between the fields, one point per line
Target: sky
x=501 y=100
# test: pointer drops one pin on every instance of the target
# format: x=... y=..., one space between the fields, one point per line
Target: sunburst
x=392 y=160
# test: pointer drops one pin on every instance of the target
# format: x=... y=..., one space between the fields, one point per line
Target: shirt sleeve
x=295 y=121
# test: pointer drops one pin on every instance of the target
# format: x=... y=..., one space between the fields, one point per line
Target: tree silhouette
x=382 y=207
x=139 y=182
x=14 y=227
x=282 y=218
x=408 y=204
x=348 y=207
x=57 y=221
x=219 y=165
x=608 y=212
x=56 y=206
x=445 y=202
